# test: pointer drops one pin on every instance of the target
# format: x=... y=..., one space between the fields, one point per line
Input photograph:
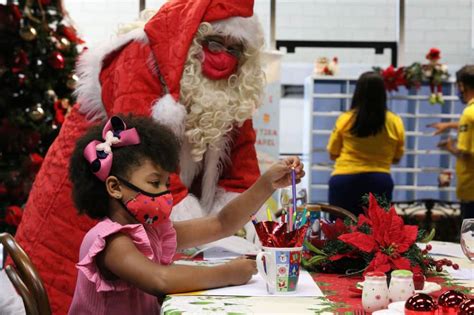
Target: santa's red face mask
x=218 y=65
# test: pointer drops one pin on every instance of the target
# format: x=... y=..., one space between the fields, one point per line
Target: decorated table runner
x=337 y=290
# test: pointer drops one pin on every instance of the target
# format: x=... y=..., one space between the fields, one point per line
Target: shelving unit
x=416 y=176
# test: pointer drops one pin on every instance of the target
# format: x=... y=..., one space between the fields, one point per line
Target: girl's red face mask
x=147 y=208
x=218 y=65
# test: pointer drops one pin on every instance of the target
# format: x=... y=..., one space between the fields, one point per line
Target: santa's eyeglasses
x=216 y=47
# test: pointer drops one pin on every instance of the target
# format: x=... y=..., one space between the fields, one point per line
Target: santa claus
x=195 y=67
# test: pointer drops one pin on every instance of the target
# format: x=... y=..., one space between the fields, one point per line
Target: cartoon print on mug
x=282 y=270
x=292 y=283
x=294 y=270
x=282 y=284
x=295 y=257
x=282 y=257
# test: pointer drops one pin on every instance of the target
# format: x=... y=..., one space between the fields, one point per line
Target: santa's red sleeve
x=243 y=169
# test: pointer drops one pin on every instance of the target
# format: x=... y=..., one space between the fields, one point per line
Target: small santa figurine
x=435 y=73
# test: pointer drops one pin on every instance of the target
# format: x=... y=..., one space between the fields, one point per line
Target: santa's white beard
x=215 y=106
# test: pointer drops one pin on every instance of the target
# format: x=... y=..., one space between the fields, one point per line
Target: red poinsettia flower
x=390 y=238
x=393 y=78
x=331 y=232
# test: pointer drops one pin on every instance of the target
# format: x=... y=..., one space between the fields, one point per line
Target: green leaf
x=173 y=312
x=316 y=259
x=313 y=248
x=429 y=237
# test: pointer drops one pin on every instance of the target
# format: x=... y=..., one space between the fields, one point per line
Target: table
x=335 y=287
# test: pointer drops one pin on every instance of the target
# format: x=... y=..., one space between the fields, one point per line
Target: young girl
x=120 y=175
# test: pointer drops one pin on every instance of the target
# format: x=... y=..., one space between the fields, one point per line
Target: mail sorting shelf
x=416 y=176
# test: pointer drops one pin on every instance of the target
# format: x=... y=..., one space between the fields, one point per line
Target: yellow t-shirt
x=369 y=154
x=465 y=164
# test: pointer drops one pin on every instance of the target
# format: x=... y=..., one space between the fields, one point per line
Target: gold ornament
x=50 y=96
x=28 y=33
x=36 y=113
x=72 y=81
x=63 y=44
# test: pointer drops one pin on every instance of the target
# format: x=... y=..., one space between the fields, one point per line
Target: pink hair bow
x=99 y=154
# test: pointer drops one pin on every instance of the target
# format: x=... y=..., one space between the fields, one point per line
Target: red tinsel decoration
x=274 y=234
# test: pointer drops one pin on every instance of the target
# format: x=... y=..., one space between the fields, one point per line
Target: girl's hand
x=240 y=270
x=279 y=174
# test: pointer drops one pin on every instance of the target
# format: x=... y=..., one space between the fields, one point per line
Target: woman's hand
x=279 y=174
x=240 y=270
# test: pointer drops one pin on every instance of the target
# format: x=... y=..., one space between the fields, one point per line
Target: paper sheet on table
x=461 y=273
x=257 y=287
x=228 y=248
x=444 y=249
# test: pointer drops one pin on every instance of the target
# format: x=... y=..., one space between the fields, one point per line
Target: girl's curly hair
x=157 y=143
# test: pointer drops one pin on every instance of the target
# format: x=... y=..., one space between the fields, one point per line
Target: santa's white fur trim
x=89 y=65
x=223 y=197
x=215 y=160
x=189 y=168
x=246 y=29
x=186 y=209
x=170 y=113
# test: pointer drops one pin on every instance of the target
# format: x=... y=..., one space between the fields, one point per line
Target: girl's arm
x=238 y=211
x=121 y=258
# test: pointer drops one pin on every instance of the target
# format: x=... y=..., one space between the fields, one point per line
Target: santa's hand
x=279 y=174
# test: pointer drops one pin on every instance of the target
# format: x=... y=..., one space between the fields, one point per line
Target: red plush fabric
x=51 y=232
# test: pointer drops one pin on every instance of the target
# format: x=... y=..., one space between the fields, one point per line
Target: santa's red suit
x=138 y=73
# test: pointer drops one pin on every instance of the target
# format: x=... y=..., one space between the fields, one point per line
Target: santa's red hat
x=172 y=30
x=169 y=33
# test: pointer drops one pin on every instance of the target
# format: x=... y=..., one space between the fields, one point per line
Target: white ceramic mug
x=281 y=268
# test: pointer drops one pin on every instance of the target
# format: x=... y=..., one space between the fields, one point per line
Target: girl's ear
x=113 y=187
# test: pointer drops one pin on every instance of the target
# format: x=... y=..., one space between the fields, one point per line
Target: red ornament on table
x=56 y=60
x=449 y=302
x=467 y=307
x=420 y=304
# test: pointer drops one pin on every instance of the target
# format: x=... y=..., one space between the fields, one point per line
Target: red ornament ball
x=56 y=60
x=467 y=307
x=420 y=302
x=451 y=299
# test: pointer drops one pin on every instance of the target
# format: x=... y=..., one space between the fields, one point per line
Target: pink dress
x=98 y=296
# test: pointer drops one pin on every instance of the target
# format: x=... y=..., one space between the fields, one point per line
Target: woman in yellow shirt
x=364 y=143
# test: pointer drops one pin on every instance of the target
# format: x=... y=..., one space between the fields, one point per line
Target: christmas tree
x=38 y=51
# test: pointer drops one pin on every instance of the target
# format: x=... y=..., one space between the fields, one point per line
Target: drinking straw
x=254 y=219
x=293 y=187
x=304 y=217
x=269 y=214
x=290 y=219
x=294 y=221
